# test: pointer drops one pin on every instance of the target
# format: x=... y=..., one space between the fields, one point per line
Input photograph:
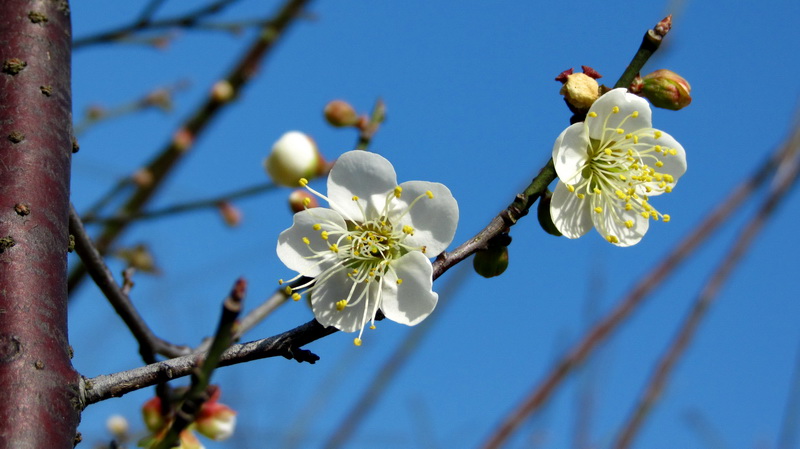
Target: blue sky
x=471 y=104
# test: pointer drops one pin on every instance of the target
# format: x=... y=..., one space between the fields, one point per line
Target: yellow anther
x=303 y=182
x=306 y=202
x=623 y=178
x=620 y=131
x=357 y=341
x=629 y=136
x=659 y=164
x=581 y=196
x=340 y=305
x=424 y=249
x=673 y=151
x=620 y=194
x=324 y=235
x=398 y=191
x=635 y=114
x=317 y=227
x=429 y=193
x=607 y=151
x=615 y=110
x=306 y=241
x=372 y=327
x=408 y=230
x=628 y=206
x=288 y=290
x=629 y=224
x=296 y=296
x=597 y=191
x=645 y=214
x=280 y=281
x=592 y=114
x=355 y=198
x=635 y=139
x=570 y=188
x=612 y=239
x=598 y=209
x=399 y=281
x=666 y=218
x=335 y=248
x=657 y=134
x=668 y=189
x=654 y=215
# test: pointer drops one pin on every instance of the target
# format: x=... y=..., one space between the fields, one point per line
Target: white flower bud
x=293 y=156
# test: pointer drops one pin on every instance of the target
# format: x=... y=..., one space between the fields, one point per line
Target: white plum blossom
x=370 y=250
x=609 y=167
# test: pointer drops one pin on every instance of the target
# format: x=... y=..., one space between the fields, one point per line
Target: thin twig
x=785 y=177
x=149 y=344
x=145 y=23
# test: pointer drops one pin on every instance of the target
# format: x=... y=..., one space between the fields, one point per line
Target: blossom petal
x=674 y=164
x=611 y=222
x=570 y=153
x=434 y=219
x=337 y=287
x=607 y=121
x=570 y=214
x=407 y=295
x=295 y=253
x=366 y=175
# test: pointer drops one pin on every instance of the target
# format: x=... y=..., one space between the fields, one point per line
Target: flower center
x=363 y=249
x=620 y=172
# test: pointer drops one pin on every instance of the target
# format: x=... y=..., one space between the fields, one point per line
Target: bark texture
x=38 y=386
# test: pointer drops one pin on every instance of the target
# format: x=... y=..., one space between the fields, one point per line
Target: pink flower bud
x=230 y=213
x=301 y=199
x=340 y=113
x=666 y=89
x=151 y=413
x=216 y=421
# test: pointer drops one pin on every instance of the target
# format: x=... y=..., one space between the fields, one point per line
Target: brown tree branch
x=149 y=344
x=38 y=386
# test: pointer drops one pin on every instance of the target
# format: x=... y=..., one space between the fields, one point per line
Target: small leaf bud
x=222 y=91
x=666 y=89
x=231 y=214
x=340 y=113
x=118 y=426
x=493 y=261
x=293 y=156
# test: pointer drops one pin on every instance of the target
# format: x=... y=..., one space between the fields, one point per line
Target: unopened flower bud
x=117 y=425
x=293 y=156
x=222 y=91
x=302 y=199
x=543 y=214
x=580 y=90
x=230 y=213
x=666 y=89
x=151 y=413
x=340 y=113
x=216 y=421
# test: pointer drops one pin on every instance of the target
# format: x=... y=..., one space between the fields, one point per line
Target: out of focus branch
x=145 y=22
x=151 y=177
x=785 y=178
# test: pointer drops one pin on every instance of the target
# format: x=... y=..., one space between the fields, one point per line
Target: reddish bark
x=38 y=386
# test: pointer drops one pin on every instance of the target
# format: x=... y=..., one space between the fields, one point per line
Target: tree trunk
x=38 y=386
